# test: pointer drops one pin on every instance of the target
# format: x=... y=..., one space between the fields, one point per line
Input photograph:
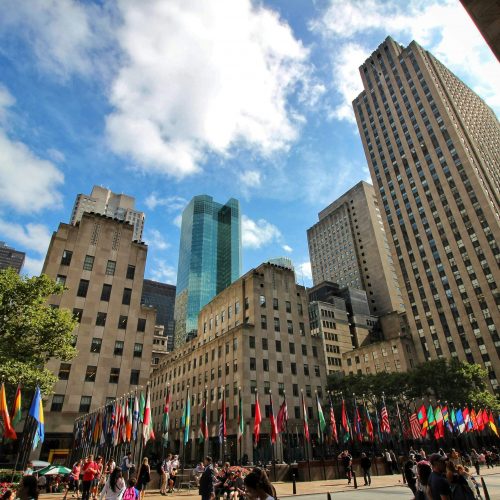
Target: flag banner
x=439 y=430
x=257 y=421
x=222 y=421
x=423 y=421
x=146 y=421
x=135 y=418
x=480 y=421
x=431 y=421
x=491 y=422
x=321 y=416
x=241 y=421
x=368 y=423
x=203 y=431
x=8 y=429
x=473 y=419
x=36 y=411
x=466 y=418
x=305 y=422
x=16 y=407
x=272 y=420
x=187 y=417
x=282 y=417
x=142 y=406
x=333 y=423
x=357 y=422
x=460 y=421
x=384 y=419
x=346 y=427
x=415 y=427
x=446 y=418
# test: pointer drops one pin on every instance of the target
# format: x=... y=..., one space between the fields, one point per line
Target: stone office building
x=254 y=335
x=103 y=269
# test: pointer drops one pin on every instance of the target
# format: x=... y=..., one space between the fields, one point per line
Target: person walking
x=438 y=486
x=97 y=478
x=114 y=486
x=127 y=465
x=388 y=461
x=206 y=485
x=346 y=460
x=74 y=480
x=409 y=472
x=164 y=477
x=366 y=465
x=143 y=477
x=28 y=488
x=89 y=470
x=476 y=460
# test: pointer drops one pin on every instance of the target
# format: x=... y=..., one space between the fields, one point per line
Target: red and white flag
x=257 y=421
x=146 y=423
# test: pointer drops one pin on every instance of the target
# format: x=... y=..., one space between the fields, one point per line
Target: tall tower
x=349 y=246
x=118 y=206
x=10 y=257
x=433 y=148
x=209 y=258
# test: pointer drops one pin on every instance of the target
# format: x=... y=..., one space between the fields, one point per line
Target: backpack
x=130 y=494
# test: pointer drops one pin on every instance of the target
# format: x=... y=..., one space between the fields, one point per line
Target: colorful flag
x=282 y=417
x=446 y=418
x=146 y=422
x=368 y=423
x=415 y=426
x=384 y=419
x=357 y=422
x=491 y=422
x=345 y=423
x=203 y=432
x=439 y=430
x=422 y=419
x=222 y=420
x=321 y=417
x=460 y=421
x=431 y=421
x=142 y=406
x=466 y=417
x=135 y=418
x=130 y=403
x=257 y=421
x=480 y=421
x=453 y=418
x=272 y=420
x=241 y=420
x=187 y=417
x=333 y=423
x=16 y=407
x=304 y=414
x=9 y=431
x=36 y=411
x=473 y=419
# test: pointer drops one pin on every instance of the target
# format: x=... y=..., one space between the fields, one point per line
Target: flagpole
x=288 y=447
x=184 y=441
x=239 y=422
x=306 y=441
x=321 y=437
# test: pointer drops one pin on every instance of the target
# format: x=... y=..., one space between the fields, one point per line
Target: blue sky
x=166 y=99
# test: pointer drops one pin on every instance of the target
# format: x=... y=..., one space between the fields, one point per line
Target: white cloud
x=256 y=234
x=201 y=77
x=171 y=203
x=155 y=239
x=56 y=155
x=304 y=272
x=251 y=178
x=32 y=266
x=161 y=271
x=287 y=248
x=441 y=26
x=31 y=236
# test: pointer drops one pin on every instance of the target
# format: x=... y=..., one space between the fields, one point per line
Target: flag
x=146 y=421
x=403 y=423
x=480 y=421
x=16 y=407
x=272 y=420
x=187 y=417
x=473 y=419
x=222 y=422
x=241 y=421
x=142 y=406
x=9 y=431
x=321 y=417
x=135 y=418
x=491 y=422
x=466 y=417
x=357 y=422
x=446 y=418
x=257 y=421
x=345 y=423
x=460 y=421
x=422 y=419
x=453 y=418
x=113 y=424
x=333 y=424
x=384 y=419
x=203 y=432
x=415 y=426
x=282 y=417
x=130 y=403
x=439 y=430
x=304 y=413
x=36 y=411
x=368 y=423
x=431 y=421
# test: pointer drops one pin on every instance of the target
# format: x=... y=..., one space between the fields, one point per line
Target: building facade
x=161 y=296
x=433 y=148
x=348 y=245
x=10 y=257
x=253 y=336
x=102 y=268
x=209 y=258
x=103 y=201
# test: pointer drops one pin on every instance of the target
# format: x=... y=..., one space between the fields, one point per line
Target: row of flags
x=10 y=420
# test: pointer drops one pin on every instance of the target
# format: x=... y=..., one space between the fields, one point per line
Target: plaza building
x=102 y=267
x=209 y=259
x=103 y=201
x=10 y=257
x=253 y=336
x=348 y=246
x=433 y=149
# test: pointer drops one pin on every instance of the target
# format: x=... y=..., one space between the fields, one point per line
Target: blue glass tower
x=209 y=258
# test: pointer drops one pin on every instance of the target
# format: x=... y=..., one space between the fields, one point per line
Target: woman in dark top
x=143 y=477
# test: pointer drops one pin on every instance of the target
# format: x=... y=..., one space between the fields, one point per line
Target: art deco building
x=102 y=267
x=349 y=246
x=209 y=259
x=103 y=201
x=254 y=335
x=9 y=257
x=433 y=148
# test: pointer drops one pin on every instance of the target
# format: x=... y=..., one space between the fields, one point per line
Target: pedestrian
x=97 y=478
x=388 y=461
x=454 y=457
x=438 y=487
x=8 y=495
x=29 y=469
x=394 y=459
x=114 y=486
x=423 y=470
x=409 y=472
x=475 y=459
x=127 y=465
x=163 y=476
x=143 y=477
x=258 y=486
x=74 y=480
x=131 y=492
x=197 y=472
x=28 y=488
x=89 y=470
x=471 y=480
x=206 y=485
x=346 y=461
x=366 y=464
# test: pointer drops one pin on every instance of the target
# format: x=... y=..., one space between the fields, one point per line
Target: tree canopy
x=445 y=380
x=32 y=332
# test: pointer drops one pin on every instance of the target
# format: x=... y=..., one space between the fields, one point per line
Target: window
x=122 y=322
x=77 y=314
x=297 y=412
x=315 y=351
x=293 y=368
x=267 y=387
x=253 y=365
x=85 y=402
x=278 y=346
x=100 y=319
x=90 y=373
x=88 y=263
x=114 y=375
x=106 y=292
x=64 y=369
x=288 y=306
x=295 y=389
x=134 y=377
x=130 y=272
x=302 y=329
x=66 y=258
x=127 y=293
x=275 y=304
x=262 y=301
x=291 y=345
x=137 y=350
x=276 y=324
x=110 y=267
x=316 y=371
x=236 y=307
x=95 y=346
x=251 y=342
x=308 y=391
x=264 y=344
x=83 y=287
x=265 y=365
x=289 y=326
x=57 y=402
x=118 y=348
x=61 y=279
x=263 y=322
x=304 y=350
x=306 y=370
x=141 y=325
x=281 y=388
x=279 y=366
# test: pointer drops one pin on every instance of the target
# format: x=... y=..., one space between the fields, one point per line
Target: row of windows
x=278 y=346
x=91 y=371
x=102 y=317
x=88 y=264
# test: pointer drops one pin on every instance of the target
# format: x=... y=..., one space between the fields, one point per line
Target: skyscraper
x=349 y=246
x=103 y=201
x=433 y=148
x=9 y=257
x=209 y=258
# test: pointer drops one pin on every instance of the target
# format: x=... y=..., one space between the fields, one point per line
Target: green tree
x=32 y=332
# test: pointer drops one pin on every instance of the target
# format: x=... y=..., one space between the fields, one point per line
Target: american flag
x=384 y=425
x=415 y=426
x=222 y=423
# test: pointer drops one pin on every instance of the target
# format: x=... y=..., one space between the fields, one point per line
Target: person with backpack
x=131 y=492
x=114 y=486
x=127 y=465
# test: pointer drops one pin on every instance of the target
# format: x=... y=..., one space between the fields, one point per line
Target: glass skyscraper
x=209 y=258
